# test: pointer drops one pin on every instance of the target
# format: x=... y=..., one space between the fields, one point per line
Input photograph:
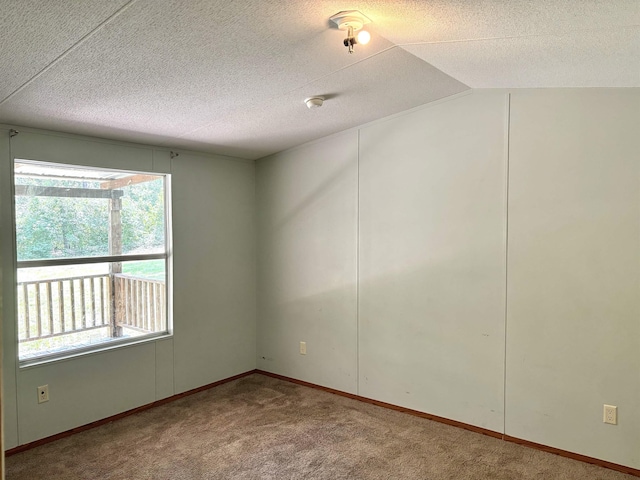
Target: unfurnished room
x=320 y=239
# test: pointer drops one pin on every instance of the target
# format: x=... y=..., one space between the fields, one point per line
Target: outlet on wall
x=303 y=348
x=610 y=414
x=43 y=394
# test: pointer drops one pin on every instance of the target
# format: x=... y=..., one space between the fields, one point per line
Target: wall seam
x=255 y=262
x=14 y=298
x=358 y=265
x=506 y=264
x=155 y=368
x=173 y=327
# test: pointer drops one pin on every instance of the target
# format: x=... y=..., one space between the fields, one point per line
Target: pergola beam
x=126 y=181
x=35 y=191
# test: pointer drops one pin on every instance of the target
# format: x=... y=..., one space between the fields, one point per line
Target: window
x=92 y=257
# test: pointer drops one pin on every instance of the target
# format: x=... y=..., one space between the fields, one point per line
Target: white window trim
x=167 y=256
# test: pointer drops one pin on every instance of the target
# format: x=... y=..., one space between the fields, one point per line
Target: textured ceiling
x=230 y=77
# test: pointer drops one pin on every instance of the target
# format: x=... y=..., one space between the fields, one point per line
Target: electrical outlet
x=303 y=348
x=610 y=414
x=43 y=394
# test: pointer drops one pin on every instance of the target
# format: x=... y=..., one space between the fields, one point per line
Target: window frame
x=167 y=256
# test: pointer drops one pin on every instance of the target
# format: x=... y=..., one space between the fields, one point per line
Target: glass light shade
x=363 y=37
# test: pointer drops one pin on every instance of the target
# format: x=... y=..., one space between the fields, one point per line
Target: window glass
x=76 y=229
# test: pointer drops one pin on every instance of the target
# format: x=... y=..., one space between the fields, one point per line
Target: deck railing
x=140 y=303
x=61 y=306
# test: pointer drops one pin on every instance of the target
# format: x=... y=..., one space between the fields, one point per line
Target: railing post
x=115 y=248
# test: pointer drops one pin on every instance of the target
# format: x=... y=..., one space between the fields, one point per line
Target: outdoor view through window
x=92 y=257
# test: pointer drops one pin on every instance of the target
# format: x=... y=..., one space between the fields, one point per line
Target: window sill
x=92 y=350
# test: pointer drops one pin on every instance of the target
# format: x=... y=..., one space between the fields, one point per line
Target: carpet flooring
x=258 y=427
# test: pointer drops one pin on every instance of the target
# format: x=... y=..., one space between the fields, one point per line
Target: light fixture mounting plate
x=314 y=102
x=350 y=18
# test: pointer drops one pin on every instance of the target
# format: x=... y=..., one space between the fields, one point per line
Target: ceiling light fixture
x=352 y=21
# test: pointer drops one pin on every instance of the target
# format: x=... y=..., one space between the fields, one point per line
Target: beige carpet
x=258 y=427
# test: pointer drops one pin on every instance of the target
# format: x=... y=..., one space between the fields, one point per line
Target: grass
x=149 y=269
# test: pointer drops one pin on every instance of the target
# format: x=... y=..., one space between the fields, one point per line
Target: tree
x=52 y=227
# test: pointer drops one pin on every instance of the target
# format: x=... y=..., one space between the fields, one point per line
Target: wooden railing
x=52 y=308
x=140 y=303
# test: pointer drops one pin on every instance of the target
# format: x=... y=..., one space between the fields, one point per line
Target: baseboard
x=103 y=421
x=575 y=456
x=390 y=406
x=428 y=416
x=473 y=428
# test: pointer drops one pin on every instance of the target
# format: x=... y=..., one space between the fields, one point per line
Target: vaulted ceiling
x=230 y=77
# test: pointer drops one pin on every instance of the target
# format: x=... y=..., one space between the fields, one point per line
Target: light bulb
x=363 y=37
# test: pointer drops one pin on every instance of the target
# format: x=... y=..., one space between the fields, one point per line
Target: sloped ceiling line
x=303 y=86
x=110 y=19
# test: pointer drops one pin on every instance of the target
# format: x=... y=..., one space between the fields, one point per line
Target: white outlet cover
x=43 y=393
x=610 y=414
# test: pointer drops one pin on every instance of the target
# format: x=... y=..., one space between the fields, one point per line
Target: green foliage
x=54 y=227
x=143 y=217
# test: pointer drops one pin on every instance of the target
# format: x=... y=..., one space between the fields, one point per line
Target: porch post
x=115 y=248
